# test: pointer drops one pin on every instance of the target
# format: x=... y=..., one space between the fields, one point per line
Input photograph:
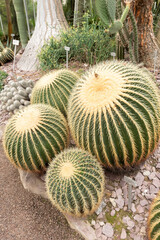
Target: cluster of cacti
x=54 y=89
x=154 y=219
x=106 y=9
x=114 y=113
x=75 y=182
x=34 y=135
x=16 y=95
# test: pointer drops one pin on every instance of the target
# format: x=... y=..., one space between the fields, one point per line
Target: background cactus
x=54 y=89
x=154 y=219
x=34 y=135
x=8 y=53
x=75 y=182
x=16 y=95
x=3 y=59
x=114 y=113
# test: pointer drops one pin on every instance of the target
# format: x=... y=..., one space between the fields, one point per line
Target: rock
x=133 y=208
x=140 y=209
x=93 y=222
x=138 y=218
x=139 y=179
x=100 y=216
x=144 y=202
x=114 y=194
x=151 y=176
x=158 y=165
x=153 y=189
x=146 y=173
x=112 y=200
x=103 y=237
x=108 y=230
x=137 y=238
x=99 y=210
x=101 y=224
x=120 y=202
x=113 y=213
x=97 y=226
x=123 y=234
x=98 y=232
x=119 y=192
x=130 y=224
x=156 y=182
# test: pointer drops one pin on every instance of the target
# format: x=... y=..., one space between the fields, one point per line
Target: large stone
x=123 y=234
x=139 y=179
x=35 y=184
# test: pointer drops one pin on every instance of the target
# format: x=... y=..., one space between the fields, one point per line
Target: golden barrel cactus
x=114 y=113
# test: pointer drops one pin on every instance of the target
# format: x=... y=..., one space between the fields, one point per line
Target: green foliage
x=75 y=182
x=3 y=75
x=54 y=89
x=89 y=44
x=154 y=219
x=34 y=135
x=114 y=113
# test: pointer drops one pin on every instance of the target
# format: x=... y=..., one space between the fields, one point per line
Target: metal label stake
x=113 y=54
x=15 y=43
x=67 y=50
x=131 y=183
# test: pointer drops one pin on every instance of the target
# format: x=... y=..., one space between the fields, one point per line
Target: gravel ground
x=24 y=215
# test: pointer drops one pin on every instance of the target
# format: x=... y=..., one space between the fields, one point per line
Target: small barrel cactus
x=54 y=89
x=154 y=219
x=8 y=53
x=34 y=135
x=114 y=113
x=16 y=95
x=3 y=59
x=75 y=182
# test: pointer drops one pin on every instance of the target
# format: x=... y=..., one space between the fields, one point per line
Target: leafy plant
x=89 y=44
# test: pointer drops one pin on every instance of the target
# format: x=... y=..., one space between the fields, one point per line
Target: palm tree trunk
x=21 y=20
x=50 y=21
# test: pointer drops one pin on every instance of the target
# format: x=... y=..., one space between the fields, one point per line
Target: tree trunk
x=147 y=41
x=21 y=20
x=9 y=19
x=50 y=20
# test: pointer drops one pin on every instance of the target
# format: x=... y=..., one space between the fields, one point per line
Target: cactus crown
x=54 y=89
x=34 y=135
x=114 y=113
x=154 y=219
x=75 y=182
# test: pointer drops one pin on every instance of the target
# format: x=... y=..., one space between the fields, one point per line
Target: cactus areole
x=114 y=113
x=34 y=135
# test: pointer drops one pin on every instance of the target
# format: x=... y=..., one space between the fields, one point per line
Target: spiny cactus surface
x=154 y=219
x=34 y=135
x=8 y=53
x=54 y=89
x=75 y=182
x=16 y=95
x=114 y=113
x=3 y=59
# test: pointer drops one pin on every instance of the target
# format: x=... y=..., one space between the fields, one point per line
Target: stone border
x=33 y=183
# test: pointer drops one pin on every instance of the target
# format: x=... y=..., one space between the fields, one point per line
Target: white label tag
x=15 y=42
x=67 y=48
x=113 y=54
x=12 y=35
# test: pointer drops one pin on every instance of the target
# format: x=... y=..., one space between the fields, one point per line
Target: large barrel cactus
x=114 y=113
x=54 y=89
x=75 y=182
x=8 y=53
x=154 y=219
x=34 y=135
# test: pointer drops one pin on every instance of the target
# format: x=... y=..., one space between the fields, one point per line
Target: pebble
x=108 y=230
x=98 y=232
x=143 y=202
x=99 y=210
x=101 y=224
x=123 y=234
x=138 y=218
x=93 y=222
x=156 y=182
x=113 y=212
x=112 y=200
x=146 y=173
x=139 y=178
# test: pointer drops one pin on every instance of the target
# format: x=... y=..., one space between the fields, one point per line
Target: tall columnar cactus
x=154 y=219
x=33 y=136
x=75 y=182
x=54 y=89
x=114 y=113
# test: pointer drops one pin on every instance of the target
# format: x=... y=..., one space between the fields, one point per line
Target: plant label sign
x=12 y=35
x=15 y=42
x=130 y=183
x=67 y=48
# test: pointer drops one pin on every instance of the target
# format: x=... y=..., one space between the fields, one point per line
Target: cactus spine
x=54 y=89
x=154 y=219
x=75 y=182
x=34 y=135
x=114 y=113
